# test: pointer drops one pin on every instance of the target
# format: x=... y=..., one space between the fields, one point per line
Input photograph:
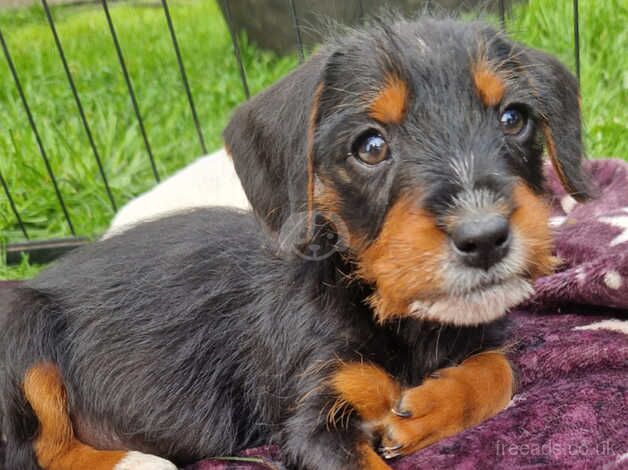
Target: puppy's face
x=424 y=140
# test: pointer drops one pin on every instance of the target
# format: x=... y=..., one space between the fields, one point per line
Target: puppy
x=396 y=179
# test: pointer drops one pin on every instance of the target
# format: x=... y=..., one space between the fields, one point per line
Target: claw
x=401 y=413
x=390 y=452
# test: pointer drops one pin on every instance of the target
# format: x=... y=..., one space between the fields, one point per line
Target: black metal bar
x=184 y=77
x=236 y=49
x=502 y=14
x=576 y=37
x=129 y=86
x=40 y=144
x=42 y=251
x=13 y=206
x=297 y=30
x=79 y=105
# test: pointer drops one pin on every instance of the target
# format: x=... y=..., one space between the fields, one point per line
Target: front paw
x=425 y=414
x=448 y=402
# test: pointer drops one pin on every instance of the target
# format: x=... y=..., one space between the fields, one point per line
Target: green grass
x=548 y=25
x=24 y=270
x=214 y=79
x=213 y=76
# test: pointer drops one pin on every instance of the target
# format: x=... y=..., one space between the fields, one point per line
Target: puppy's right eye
x=371 y=148
x=513 y=121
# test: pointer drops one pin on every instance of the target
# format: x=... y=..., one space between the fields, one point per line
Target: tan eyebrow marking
x=489 y=85
x=389 y=105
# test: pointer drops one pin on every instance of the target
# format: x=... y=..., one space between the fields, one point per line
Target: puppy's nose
x=482 y=241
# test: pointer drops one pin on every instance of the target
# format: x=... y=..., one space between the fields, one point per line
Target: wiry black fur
x=196 y=335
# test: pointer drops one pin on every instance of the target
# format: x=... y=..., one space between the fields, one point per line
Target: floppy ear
x=269 y=138
x=558 y=93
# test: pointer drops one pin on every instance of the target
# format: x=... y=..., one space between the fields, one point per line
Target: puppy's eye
x=371 y=148
x=513 y=121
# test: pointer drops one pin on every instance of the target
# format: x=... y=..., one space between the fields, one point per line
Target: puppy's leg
x=17 y=426
x=56 y=447
x=325 y=430
x=452 y=400
x=368 y=389
x=372 y=393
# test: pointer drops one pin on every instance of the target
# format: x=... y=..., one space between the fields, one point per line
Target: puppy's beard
x=473 y=296
x=475 y=307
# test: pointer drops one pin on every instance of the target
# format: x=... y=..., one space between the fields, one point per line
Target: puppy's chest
x=411 y=351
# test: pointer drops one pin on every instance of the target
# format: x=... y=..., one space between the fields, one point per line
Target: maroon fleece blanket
x=570 y=347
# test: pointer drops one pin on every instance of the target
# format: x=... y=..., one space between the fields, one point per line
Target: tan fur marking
x=327 y=200
x=489 y=85
x=460 y=397
x=56 y=447
x=328 y=203
x=551 y=151
x=371 y=392
x=311 y=129
x=530 y=220
x=370 y=459
x=403 y=262
x=366 y=388
x=389 y=105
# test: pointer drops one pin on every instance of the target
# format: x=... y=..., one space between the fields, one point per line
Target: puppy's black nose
x=482 y=241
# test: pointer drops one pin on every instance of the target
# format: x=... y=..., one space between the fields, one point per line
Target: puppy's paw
x=139 y=461
x=425 y=414
x=451 y=400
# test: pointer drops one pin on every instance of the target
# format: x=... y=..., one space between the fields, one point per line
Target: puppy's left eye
x=513 y=121
x=371 y=148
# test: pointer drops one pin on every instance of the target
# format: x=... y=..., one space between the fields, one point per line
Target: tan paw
x=452 y=400
x=425 y=414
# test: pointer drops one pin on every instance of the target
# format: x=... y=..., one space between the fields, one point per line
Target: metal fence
x=46 y=250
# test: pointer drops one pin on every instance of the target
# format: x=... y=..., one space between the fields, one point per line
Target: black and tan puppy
x=407 y=157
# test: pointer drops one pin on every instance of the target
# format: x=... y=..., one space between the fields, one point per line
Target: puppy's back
x=159 y=241
x=145 y=317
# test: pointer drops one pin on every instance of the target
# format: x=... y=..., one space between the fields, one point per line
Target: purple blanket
x=569 y=346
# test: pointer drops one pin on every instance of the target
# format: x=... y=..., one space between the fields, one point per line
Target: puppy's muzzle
x=481 y=241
